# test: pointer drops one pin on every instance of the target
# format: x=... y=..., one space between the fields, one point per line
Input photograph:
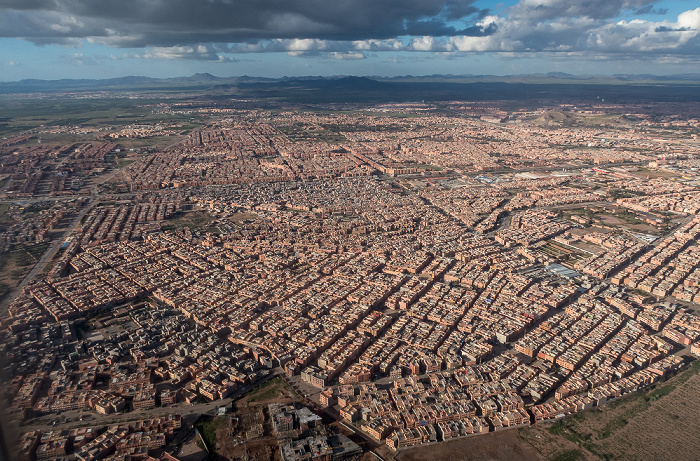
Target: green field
x=193 y=220
x=207 y=429
x=269 y=390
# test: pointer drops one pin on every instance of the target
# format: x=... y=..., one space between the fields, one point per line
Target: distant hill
x=560 y=86
x=554 y=116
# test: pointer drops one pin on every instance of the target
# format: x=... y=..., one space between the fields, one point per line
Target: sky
x=54 y=39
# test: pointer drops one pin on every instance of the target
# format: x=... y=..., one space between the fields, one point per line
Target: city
x=342 y=280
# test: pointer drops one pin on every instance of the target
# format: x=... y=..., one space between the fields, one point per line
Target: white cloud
x=484 y=44
x=378 y=45
x=199 y=53
x=690 y=19
x=584 y=33
x=347 y=55
x=307 y=44
x=639 y=36
x=427 y=44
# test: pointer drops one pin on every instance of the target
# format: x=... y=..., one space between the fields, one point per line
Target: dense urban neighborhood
x=340 y=281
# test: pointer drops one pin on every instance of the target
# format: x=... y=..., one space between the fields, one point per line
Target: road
x=59 y=240
x=71 y=419
x=46 y=256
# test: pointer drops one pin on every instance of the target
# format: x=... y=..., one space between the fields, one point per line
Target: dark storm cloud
x=595 y=9
x=649 y=9
x=349 y=29
x=437 y=29
x=181 y=22
x=671 y=29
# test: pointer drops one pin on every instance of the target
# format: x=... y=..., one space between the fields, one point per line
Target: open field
x=15 y=264
x=20 y=114
x=494 y=446
x=193 y=220
x=646 y=173
x=660 y=423
x=656 y=424
x=275 y=390
x=233 y=443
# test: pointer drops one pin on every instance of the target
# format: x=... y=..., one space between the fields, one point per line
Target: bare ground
x=661 y=423
x=658 y=424
x=495 y=446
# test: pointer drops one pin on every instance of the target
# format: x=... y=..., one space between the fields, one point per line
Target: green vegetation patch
x=624 y=193
x=268 y=390
x=4 y=217
x=207 y=429
x=5 y=258
x=193 y=220
x=38 y=249
x=380 y=127
x=299 y=134
x=563 y=429
x=22 y=256
x=653 y=174
x=614 y=424
x=122 y=162
x=598 y=431
x=628 y=217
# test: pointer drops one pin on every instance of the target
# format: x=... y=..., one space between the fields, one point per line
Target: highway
x=59 y=240
x=71 y=419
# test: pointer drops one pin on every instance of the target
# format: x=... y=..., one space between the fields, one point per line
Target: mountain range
x=316 y=89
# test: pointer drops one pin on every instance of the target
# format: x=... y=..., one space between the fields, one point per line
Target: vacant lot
x=495 y=446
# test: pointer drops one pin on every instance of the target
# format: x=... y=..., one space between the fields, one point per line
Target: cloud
x=198 y=53
x=690 y=19
x=378 y=45
x=649 y=9
x=484 y=44
x=506 y=34
x=306 y=44
x=595 y=9
x=45 y=27
x=129 y=23
x=639 y=36
x=426 y=44
x=79 y=59
x=307 y=47
x=348 y=55
x=670 y=29
x=216 y=30
x=563 y=26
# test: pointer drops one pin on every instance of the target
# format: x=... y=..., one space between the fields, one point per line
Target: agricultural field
x=619 y=431
x=646 y=425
